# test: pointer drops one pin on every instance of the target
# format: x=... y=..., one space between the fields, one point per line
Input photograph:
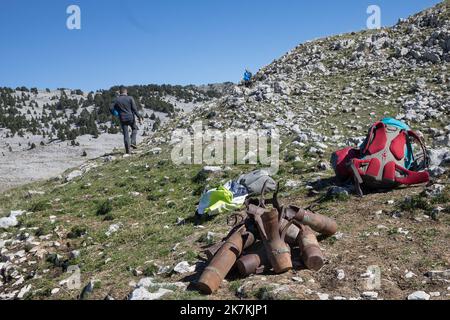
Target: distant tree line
x=68 y=117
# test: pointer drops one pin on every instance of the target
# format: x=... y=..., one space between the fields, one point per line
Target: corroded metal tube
x=277 y=250
x=317 y=222
x=221 y=264
x=291 y=233
x=253 y=262
x=312 y=256
x=248 y=239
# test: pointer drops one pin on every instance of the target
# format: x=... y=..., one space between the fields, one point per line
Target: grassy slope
x=149 y=229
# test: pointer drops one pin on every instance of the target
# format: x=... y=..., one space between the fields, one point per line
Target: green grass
x=40 y=206
x=84 y=209
x=235 y=285
x=264 y=293
x=104 y=208
x=414 y=203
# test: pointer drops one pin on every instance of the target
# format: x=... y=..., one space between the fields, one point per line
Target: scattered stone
x=9 y=295
x=419 y=295
x=439 y=275
x=338 y=235
x=340 y=274
x=436 y=171
x=435 y=294
x=371 y=295
x=297 y=279
x=309 y=291
x=73 y=175
x=435 y=190
x=109 y=158
x=73 y=281
x=11 y=220
x=281 y=291
x=155 y=151
x=293 y=184
x=137 y=272
x=431 y=56
x=113 y=229
x=184 y=267
x=24 y=291
x=74 y=254
x=347 y=90
x=323 y=296
x=175 y=247
x=436 y=212
x=32 y=193
x=211 y=169
x=88 y=290
x=210 y=236
x=143 y=294
x=324 y=166
x=338 y=191
x=180 y=221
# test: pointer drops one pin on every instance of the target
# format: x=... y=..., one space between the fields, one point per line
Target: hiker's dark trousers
x=126 y=134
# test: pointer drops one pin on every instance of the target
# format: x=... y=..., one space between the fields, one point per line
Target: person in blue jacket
x=247 y=77
x=125 y=108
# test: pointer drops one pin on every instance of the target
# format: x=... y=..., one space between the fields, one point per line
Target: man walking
x=126 y=109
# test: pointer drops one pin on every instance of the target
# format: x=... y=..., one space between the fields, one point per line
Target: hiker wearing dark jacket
x=126 y=108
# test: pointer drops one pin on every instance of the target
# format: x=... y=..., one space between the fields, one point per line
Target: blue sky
x=167 y=41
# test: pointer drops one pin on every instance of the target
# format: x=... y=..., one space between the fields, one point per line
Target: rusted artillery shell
x=253 y=262
x=277 y=250
x=309 y=247
x=291 y=233
x=221 y=264
x=317 y=222
x=248 y=239
x=211 y=251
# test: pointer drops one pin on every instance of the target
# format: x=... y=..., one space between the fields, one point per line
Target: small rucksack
x=385 y=160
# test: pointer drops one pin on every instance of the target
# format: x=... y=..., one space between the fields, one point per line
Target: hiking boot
x=134 y=146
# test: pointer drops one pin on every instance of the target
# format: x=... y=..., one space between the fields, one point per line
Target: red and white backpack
x=385 y=160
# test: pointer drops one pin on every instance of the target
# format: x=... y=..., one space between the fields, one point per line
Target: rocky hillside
x=123 y=225
x=337 y=85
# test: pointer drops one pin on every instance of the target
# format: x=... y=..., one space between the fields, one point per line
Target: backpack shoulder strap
x=422 y=146
x=371 y=135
